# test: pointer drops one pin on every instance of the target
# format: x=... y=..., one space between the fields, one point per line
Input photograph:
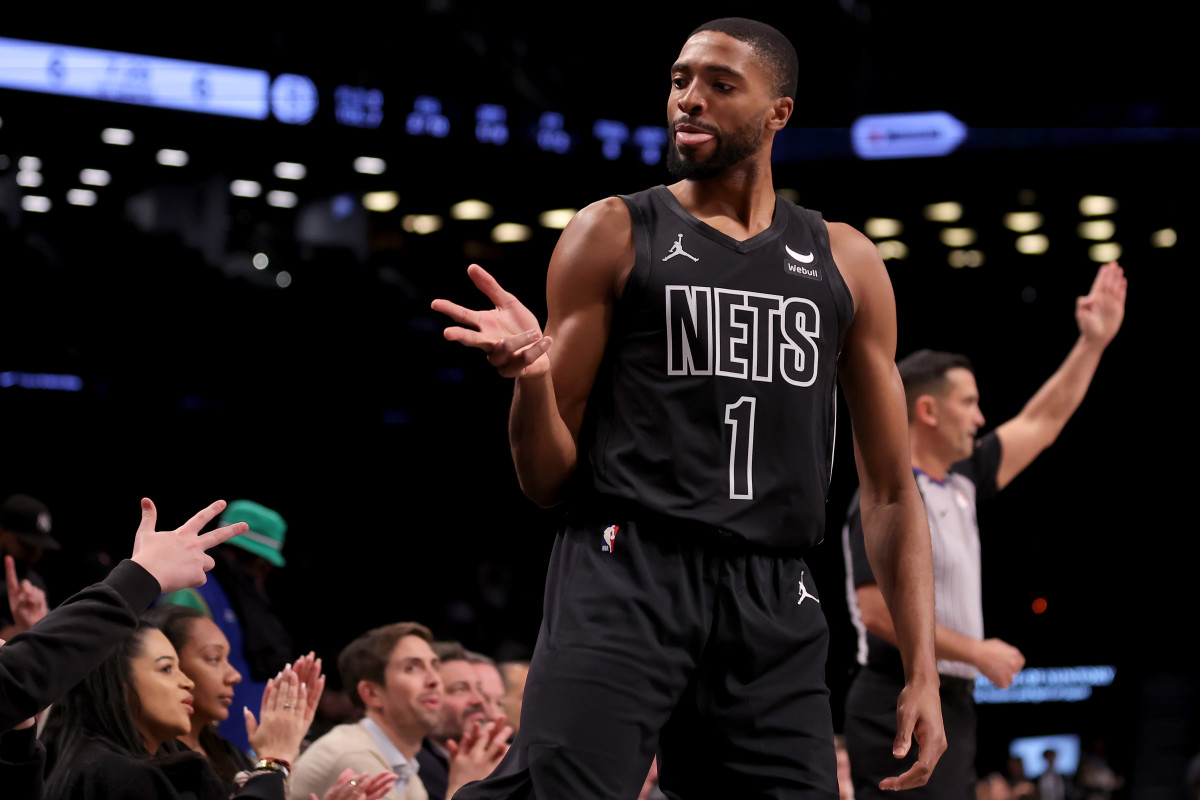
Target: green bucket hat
x=265 y=537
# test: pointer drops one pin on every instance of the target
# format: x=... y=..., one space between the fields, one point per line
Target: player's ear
x=926 y=410
x=781 y=112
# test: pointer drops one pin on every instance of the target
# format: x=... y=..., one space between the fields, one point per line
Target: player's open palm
x=1100 y=313
x=508 y=333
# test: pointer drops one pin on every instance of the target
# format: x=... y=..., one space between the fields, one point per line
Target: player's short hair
x=772 y=47
x=366 y=658
x=924 y=372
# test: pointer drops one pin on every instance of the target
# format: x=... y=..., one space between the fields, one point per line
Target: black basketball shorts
x=670 y=638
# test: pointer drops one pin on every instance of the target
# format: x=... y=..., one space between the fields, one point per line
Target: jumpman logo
x=677 y=250
x=804 y=593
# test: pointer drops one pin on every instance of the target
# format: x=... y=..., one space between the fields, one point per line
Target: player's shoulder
x=857 y=259
x=603 y=217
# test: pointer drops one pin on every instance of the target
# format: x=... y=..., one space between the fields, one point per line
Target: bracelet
x=274 y=764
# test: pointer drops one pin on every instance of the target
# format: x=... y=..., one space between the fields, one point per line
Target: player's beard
x=730 y=149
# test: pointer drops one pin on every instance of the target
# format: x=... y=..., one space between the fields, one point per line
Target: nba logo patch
x=610 y=539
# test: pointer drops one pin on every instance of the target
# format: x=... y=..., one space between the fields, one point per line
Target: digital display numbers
x=288 y=98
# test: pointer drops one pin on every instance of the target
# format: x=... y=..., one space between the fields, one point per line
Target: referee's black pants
x=870 y=730
x=673 y=638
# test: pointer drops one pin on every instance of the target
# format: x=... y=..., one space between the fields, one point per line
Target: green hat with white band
x=265 y=537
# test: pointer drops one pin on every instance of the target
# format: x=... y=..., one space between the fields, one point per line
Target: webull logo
x=812 y=273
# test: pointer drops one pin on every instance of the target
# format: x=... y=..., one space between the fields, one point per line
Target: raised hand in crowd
x=26 y=601
x=478 y=753
x=350 y=786
x=179 y=559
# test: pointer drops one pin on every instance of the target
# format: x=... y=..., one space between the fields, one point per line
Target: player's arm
x=587 y=270
x=1043 y=417
x=995 y=658
x=589 y=264
x=895 y=529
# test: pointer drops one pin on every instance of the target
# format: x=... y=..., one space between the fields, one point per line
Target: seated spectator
x=112 y=735
x=24 y=538
x=235 y=598
x=204 y=657
x=490 y=684
x=462 y=705
x=392 y=674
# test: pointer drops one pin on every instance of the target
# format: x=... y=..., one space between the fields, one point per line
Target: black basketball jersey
x=715 y=401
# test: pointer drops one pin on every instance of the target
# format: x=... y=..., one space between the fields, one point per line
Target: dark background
x=336 y=401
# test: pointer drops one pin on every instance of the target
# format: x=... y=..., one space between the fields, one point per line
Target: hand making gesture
x=1100 y=313
x=179 y=559
x=26 y=601
x=509 y=333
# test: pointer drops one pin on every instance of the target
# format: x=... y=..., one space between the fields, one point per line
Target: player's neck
x=739 y=202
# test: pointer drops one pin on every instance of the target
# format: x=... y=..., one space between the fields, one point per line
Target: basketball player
x=681 y=399
x=954 y=470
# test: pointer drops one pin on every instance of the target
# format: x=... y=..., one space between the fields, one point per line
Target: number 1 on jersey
x=740 y=416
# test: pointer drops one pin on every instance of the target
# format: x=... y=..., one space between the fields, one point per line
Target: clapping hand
x=288 y=706
x=480 y=750
x=359 y=787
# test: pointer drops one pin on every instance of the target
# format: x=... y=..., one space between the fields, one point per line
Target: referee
x=954 y=470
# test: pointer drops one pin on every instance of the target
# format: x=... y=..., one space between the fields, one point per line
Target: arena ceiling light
x=892 y=249
x=943 y=212
x=556 y=218
x=1100 y=230
x=282 y=199
x=29 y=179
x=370 y=166
x=245 y=188
x=380 y=201
x=172 y=158
x=290 y=171
x=882 y=227
x=958 y=237
x=507 y=232
x=1023 y=221
x=1096 y=205
x=94 y=177
x=1104 y=252
x=471 y=209
x=1163 y=238
x=35 y=203
x=422 y=223
x=1032 y=244
x=965 y=258
x=117 y=136
x=81 y=197
x=29 y=163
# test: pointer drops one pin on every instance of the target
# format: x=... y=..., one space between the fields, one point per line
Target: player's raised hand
x=919 y=716
x=1100 y=313
x=508 y=333
x=179 y=559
